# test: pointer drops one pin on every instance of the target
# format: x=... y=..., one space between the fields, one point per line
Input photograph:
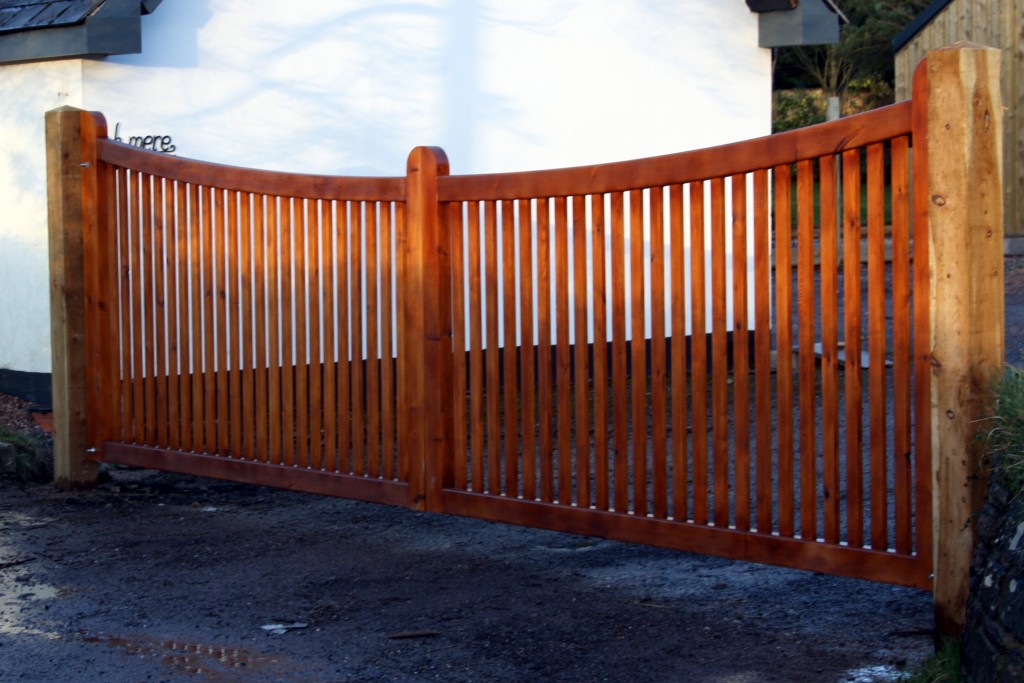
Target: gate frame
x=957 y=110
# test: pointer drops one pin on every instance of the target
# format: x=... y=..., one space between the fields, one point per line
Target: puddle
x=873 y=674
x=212 y=662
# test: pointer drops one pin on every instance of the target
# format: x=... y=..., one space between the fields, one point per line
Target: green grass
x=1005 y=437
x=30 y=457
x=942 y=667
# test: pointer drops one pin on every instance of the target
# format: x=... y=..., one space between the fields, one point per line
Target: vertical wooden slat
x=620 y=414
x=301 y=237
x=328 y=250
x=275 y=271
x=236 y=349
x=346 y=341
x=581 y=378
x=740 y=352
x=289 y=278
x=159 y=237
x=460 y=346
x=784 y=344
x=247 y=330
x=545 y=408
x=315 y=356
x=659 y=398
x=829 y=245
x=493 y=352
x=125 y=308
x=476 y=354
x=173 y=365
x=506 y=218
x=528 y=385
x=680 y=480
x=638 y=349
x=563 y=403
x=719 y=357
x=196 y=317
x=403 y=459
x=901 y=351
x=220 y=331
x=762 y=351
x=208 y=331
x=852 y=337
x=359 y=355
x=387 y=367
x=185 y=365
x=698 y=355
x=599 y=301
x=877 y=346
x=147 y=273
x=806 y=335
x=373 y=355
x=261 y=268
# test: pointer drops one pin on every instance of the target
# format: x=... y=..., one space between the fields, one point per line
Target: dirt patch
x=161 y=577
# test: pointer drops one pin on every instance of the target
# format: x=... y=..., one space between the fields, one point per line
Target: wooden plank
x=476 y=354
x=506 y=218
x=853 y=312
x=901 y=351
x=460 y=347
x=176 y=290
x=965 y=218
x=806 y=357
x=493 y=354
x=762 y=351
x=196 y=316
x=236 y=350
x=740 y=353
x=545 y=406
x=247 y=331
x=783 y=180
x=720 y=417
x=638 y=352
x=359 y=354
x=877 y=428
x=220 y=331
x=659 y=393
x=275 y=265
x=329 y=250
x=528 y=391
x=685 y=167
x=289 y=278
x=69 y=211
x=315 y=356
x=346 y=341
x=620 y=416
x=680 y=480
x=373 y=354
x=563 y=376
x=581 y=381
x=160 y=380
x=301 y=238
x=829 y=272
x=148 y=315
x=387 y=369
x=599 y=301
x=698 y=354
x=261 y=365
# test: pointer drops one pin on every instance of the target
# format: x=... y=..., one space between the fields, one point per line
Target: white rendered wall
x=26 y=92
x=351 y=86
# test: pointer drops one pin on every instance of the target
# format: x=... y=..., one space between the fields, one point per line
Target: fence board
x=877 y=345
x=528 y=391
x=782 y=176
x=719 y=359
x=619 y=387
x=599 y=299
x=638 y=376
x=698 y=359
x=852 y=332
x=580 y=380
x=901 y=351
x=680 y=479
x=762 y=351
x=508 y=290
x=829 y=248
x=659 y=394
x=740 y=353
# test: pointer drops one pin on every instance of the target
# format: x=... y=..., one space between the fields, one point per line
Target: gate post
x=960 y=85
x=66 y=207
x=425 y=335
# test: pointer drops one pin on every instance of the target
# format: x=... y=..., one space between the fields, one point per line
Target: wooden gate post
x=965 y=228
x=64 y=172
x=425 y=335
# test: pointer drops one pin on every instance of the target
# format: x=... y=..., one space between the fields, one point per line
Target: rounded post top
x=428 y=157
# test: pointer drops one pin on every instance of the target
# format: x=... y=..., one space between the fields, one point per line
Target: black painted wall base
x=33 y=387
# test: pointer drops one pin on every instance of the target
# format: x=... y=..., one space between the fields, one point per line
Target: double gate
x=727 y=351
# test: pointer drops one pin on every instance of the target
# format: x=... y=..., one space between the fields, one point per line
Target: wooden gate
x=729 y=351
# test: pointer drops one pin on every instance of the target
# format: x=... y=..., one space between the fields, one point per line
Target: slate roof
x=22 y=15
x=919 y=22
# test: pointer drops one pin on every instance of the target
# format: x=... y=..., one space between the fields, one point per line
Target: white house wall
x=351 y=86
x=26 y=92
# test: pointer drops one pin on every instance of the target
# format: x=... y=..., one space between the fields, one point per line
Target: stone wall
x=993 y=641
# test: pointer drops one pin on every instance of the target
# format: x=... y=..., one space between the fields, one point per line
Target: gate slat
x=301 y=234
x=719 y=359
x=182 y=370
x=599 y=299
x=315 y=355
x=680 y=481
x=346 y=343
x=147 y=317
x=762 y=351
x=161 y=408
x=563 y=378
x=698 y=355
x=619 y=388
x=581 y=379
x=829 y=245
x=784 y=345
x=659 y=398
x=247 y=332
x=126 y=309
x=221 y=301
x=528 y=387
x=476 y=359
x=740 y=353
x=460 y=344
x=235 y=349
x=493 y=352
x=806 y=334
x=261 y=268
x=359 y=354
x=289 y=279
x=196 y=268
x=877 y=345
x=901 y=352
x=545 y=407
x=506 y=215
x=373 y=355
x=275 y=265
x=387 y=369
x=329 y=248
x=852 y=337
x=638 y=370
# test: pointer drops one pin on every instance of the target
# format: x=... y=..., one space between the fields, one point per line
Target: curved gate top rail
x=768 y=350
